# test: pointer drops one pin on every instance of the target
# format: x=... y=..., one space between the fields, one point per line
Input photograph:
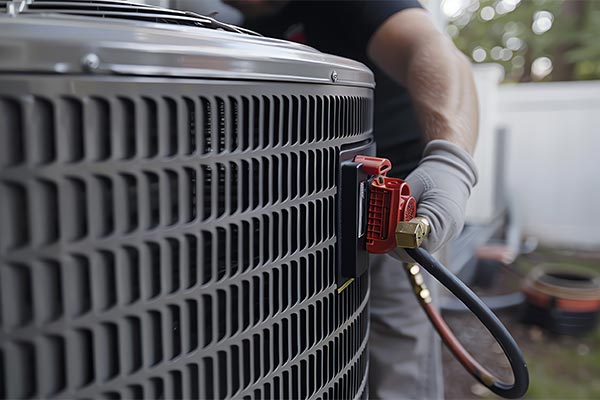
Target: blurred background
x=537 y=63
x=537 y=205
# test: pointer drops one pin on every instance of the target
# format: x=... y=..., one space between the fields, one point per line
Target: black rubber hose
x=494 y=303
x=489 y=320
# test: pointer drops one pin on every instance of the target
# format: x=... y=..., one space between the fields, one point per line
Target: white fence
x=553 y=168
x=481 y=208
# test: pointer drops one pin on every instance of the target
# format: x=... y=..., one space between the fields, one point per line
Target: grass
x=563 y=367
x=560 y=367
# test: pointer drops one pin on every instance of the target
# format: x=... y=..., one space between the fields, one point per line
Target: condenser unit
x=169 y=208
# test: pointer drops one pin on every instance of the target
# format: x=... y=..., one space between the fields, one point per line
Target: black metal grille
x=121 y=10
x=176 y=239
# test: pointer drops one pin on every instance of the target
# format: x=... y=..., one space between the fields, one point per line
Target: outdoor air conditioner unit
x=168 y=207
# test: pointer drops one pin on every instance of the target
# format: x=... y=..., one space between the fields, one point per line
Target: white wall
x=553 y=168
x=481 y=207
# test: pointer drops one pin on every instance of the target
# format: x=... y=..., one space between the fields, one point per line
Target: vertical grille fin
x=177 y=240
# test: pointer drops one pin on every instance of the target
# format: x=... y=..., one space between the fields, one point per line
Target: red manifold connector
x=390 y=202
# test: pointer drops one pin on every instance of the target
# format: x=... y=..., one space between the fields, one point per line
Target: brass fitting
x=418 y=283
x=410 y=234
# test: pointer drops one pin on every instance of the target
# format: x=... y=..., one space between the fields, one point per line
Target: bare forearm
x=440 y=83
x=437 y=76
x=409 y=48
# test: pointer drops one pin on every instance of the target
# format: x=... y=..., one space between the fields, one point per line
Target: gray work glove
x=442 y=184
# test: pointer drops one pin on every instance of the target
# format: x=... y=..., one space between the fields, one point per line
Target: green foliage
x=572 y=43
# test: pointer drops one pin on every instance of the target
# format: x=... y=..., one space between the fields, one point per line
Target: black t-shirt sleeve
x=364 y=17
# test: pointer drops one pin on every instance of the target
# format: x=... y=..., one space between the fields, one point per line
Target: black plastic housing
x=353 y=258
x=354 y=191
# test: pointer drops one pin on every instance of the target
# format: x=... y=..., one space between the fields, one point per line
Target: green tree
x=532 y=39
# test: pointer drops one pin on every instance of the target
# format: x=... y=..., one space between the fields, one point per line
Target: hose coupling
x=410 y=234
x=418 y=283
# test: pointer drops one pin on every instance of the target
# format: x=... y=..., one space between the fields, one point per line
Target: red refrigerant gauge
x=384 y=192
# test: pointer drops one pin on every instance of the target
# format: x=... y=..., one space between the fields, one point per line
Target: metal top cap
x=56 y=41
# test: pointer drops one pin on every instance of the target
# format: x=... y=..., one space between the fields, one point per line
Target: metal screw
x=334 y=76
x=90 y=62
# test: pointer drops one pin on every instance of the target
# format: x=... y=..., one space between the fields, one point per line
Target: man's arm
x=409 y=48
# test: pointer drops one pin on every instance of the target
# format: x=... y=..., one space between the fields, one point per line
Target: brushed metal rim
x=62 y=44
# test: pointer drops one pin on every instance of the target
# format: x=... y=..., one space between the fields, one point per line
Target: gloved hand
x=441 y=184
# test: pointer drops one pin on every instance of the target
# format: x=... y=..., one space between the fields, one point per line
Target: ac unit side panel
x=169 y=238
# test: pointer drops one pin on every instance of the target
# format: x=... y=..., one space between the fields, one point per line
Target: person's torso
x=325 y=26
